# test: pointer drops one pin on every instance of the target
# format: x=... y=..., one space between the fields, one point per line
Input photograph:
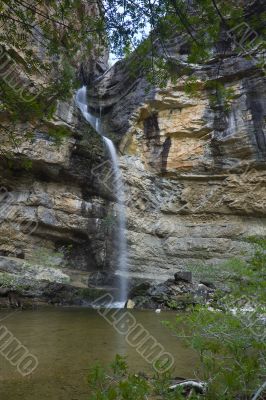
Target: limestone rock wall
x=54 y=211
x=194 y=170
x=54 y=203
x=194 y=174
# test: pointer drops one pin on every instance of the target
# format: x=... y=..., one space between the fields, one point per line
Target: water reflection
x=67 y=342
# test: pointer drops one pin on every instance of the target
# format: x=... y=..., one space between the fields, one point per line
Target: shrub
x=230 y=338
x=116 y=382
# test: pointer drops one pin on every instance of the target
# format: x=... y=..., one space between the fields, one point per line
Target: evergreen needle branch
x=183 y=21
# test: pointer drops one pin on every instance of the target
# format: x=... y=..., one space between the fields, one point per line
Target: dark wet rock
x=171 y=294
x=210 y=285
x=12 y=296
x=4 y=291
x=139 y=290
x=144 y=303
x=103 y=278
x=32 y=294
x=161 y=292
x=60 y=294
x=185 y=276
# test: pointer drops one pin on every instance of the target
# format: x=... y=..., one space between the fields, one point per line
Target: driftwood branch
x=200 y=387
x=259 y=391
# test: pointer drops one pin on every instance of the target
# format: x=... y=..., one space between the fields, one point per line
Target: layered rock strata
x=194 y=166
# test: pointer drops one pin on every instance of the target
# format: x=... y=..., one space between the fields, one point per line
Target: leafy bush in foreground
x=117 y=383
x=229 y=338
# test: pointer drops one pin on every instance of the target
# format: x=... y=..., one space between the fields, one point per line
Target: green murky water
x=68 y=341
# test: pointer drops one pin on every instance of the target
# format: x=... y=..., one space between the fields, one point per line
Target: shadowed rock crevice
x=255 y=102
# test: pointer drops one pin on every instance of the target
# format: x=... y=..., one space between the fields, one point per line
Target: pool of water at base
x=68 y=341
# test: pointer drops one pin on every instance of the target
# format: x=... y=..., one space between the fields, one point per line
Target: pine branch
x=219 y=13
x=183 y=21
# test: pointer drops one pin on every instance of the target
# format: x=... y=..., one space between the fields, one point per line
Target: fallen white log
x=199 y=386
x=258 y=393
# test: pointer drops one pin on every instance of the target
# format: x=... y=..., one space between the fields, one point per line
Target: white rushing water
x=95 y=122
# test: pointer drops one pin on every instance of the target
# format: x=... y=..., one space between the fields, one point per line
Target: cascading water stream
x=95 y=122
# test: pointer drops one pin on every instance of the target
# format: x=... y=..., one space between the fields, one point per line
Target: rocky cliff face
x=194 y=169
x=55 y=216
x=53 y=211
x=194 y=174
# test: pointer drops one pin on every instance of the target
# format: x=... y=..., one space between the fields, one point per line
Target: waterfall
x=95 y=122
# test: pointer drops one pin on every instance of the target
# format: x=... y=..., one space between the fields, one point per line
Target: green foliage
x=201 y=24
x=17 y=107
x=172 y=304
x=258 y=261
x=161 y=383
x=12 y=282
x=26 y=164
x=42 y=43
x=119 y=366
x=230 y=339
x=192 y=86
x=39 y=41
x=117 y=383
x=6 y=280
x=45 y=258
x=230 y=351
x=58 y=133
x=185 y=301
x=220 y=95
x=22 y=163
